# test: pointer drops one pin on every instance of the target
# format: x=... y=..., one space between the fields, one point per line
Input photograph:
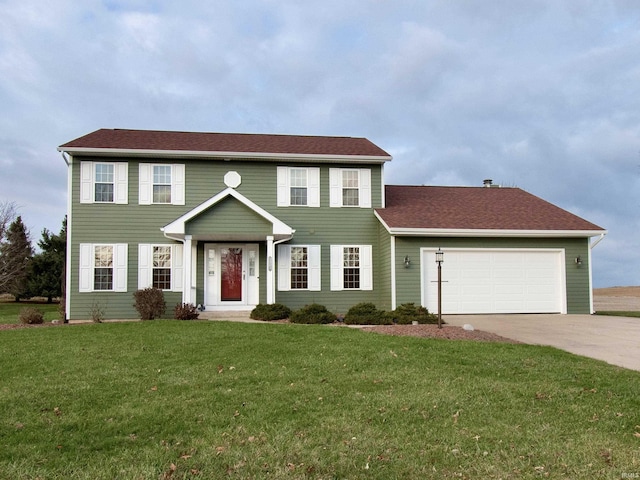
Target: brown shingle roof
x=152 y=140
x=475 y=208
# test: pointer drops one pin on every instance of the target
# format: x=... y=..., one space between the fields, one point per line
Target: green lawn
x=170 y=399
x=10 y=310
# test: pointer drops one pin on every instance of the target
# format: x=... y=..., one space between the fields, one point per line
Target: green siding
x=134 y=224
x=577 y=278
x=229 y=216
x=325 y=226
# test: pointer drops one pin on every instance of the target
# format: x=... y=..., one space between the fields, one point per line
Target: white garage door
x=495 y=281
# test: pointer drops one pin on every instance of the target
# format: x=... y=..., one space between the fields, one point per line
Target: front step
x=230 y=315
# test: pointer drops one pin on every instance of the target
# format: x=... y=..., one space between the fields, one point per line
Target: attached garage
x=505 y=250
x=495 y=281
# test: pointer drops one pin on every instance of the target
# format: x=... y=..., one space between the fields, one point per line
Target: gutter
x=276 y=157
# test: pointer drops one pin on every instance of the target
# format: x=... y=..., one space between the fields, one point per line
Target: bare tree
x=7 y=214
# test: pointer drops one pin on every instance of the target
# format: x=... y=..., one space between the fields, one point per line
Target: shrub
x=274 y=311
x=313 y=313
x=185 y=311
x=97 y=312
x=366 y=314
x=31 y=316
x=149 y=302
x=407 y=313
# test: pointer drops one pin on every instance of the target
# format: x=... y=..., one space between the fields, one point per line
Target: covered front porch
x=229 y=252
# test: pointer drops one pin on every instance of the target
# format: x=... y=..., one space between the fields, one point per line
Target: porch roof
x=178 y=228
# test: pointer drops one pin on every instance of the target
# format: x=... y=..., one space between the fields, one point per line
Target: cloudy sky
x=539 y=94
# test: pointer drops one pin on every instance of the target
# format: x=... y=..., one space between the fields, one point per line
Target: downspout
x=591 y=246
x=186 y=287
x=67 y=261
x=271 y=245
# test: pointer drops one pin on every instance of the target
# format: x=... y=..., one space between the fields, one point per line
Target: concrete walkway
x=616 y=340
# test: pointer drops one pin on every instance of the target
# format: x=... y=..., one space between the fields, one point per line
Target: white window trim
x=314 y=283
x=145 y=265
x=364 y=187
x=87 y=267
x=120 y=182
x=337 y=267
x=145 y=184
x=284 y=186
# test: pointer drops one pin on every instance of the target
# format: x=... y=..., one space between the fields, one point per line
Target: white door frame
x=250 y=277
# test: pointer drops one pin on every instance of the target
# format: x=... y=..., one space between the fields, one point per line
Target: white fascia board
x=441 y=232
x=384 y=224
x=177 y=227
x=276 y=157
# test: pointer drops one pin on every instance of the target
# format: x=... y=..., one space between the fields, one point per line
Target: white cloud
x=542 y=94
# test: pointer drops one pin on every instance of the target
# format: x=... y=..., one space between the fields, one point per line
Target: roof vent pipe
x=487 y=182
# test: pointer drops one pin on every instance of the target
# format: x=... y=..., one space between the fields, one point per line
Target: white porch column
x=271 y=293
x=187 y=296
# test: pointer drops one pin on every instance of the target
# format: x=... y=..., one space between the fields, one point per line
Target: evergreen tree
x=47 y=267
x=15 y=257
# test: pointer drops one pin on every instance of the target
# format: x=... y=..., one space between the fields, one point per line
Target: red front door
x=231 y=274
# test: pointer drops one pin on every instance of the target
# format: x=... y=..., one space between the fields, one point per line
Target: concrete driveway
x=616 y=340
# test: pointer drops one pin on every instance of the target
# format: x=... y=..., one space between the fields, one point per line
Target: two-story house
x=228 y=221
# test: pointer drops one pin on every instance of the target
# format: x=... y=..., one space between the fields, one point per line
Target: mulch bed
x=432 y=331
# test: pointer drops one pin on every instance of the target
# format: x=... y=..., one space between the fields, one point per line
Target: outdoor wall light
x=407 y=261
x=578 y=260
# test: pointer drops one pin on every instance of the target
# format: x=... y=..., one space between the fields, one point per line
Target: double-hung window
x=350 y=187
x=351 y=267
x=298 y=187
x=299 y=267
x=161 y=184
x=104 y=182
x=160 y=266
x=103 y=267
x=161 y=277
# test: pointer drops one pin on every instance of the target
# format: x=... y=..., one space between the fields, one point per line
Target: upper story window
x=299 y=267
x=350 y=187
x=104 y=182
x=351 y=267
x=161 y=184
x=103 y=267
x=298 y=186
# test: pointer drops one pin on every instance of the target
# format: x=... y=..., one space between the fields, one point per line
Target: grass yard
x=9 y=310
x=175 y=400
